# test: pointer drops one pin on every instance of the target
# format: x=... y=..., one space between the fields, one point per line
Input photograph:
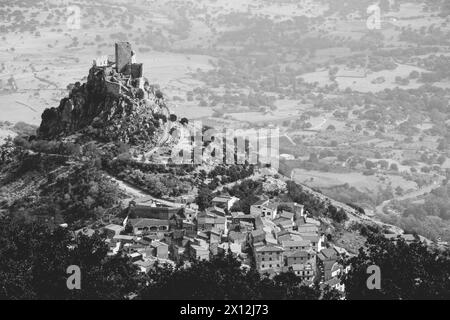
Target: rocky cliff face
x=131 y=116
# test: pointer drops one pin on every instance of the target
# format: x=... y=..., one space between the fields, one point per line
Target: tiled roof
x=221 y=199
x=142 y=223
x=297 y=253
x=283 y=222
x=114 y=227
x=271 y=205
x=256 y=233
x=329 y=253
x=260 y=202
x=310 y=236
x=233 y=235
x=156 y=244
x=241 y=215
x=286 y=215
x=297 y=243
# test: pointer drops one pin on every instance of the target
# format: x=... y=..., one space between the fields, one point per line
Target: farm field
x=369 y=184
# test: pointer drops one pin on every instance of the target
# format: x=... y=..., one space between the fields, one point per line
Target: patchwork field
x=361 y=182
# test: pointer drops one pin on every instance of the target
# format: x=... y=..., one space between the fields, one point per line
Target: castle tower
x=123 y=56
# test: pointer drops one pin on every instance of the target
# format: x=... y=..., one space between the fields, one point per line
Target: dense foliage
x=34 y=260
x=408 y=271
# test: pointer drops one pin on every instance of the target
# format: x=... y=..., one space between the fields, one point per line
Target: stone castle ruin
x=117 y=103
x=124 y=75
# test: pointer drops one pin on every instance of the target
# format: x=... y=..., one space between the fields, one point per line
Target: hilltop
x=115 y=104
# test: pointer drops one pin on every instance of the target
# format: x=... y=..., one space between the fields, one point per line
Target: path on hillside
x=410 y=195
x=136 y=193
x=352 y=214
x=254 y=176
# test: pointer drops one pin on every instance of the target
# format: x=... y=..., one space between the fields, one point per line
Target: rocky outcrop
x=130 y=114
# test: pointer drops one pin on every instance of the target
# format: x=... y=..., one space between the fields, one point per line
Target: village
x=275 y=237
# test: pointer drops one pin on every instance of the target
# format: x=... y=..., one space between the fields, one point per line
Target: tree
x=370 y=165
x=408 y=271
x=222 y=278
x=337 y=215
x=394 y=167
x=313 y=157
x=34 y=258
x=204 y=198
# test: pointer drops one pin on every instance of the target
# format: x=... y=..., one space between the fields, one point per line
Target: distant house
x=307 y=228
x=190 y=228
x=177 y=253
x=316 y=240
x=246 y=226
x=206 y=222
x=113 y=230
x=145 y=265
x=257 y=236
x=299 y=257
x=123 y=238
x=224 y=202
x=160 y=249
x=237 y=237
x=269 y=258
x=190 y=214
x=238 y=217
x=216 y=211
x=284 y=224
x=312 y=221
x=264 y=208
x=215 y=236
x=144 y=226
x=135 y=256
x=149 y=210
x=199 y=252
x=202 y=237
x=233 y=247
x=306 y=271
x=288 y=235
x=326 y=260
x=296 y=245
x=297 y=209
x=286 y=215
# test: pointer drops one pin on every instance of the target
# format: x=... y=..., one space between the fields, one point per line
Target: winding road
x=411 y=195
x=136 y=193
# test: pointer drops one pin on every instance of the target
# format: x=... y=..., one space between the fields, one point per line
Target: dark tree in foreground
x=412 y=271
x=34 y=260
x=223 y=278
